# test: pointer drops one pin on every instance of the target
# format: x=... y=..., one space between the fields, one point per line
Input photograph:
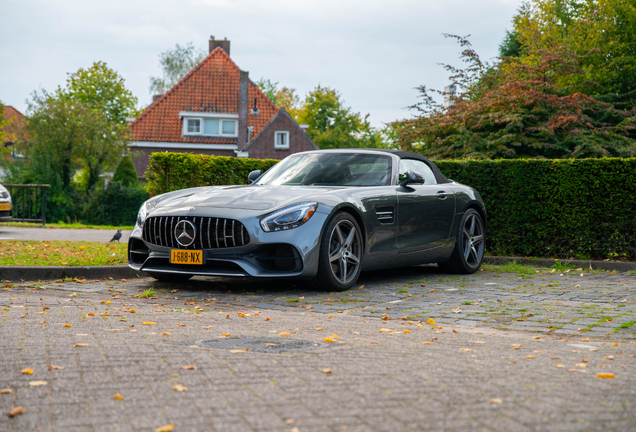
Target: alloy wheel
x=344 y=251
x=473 y=240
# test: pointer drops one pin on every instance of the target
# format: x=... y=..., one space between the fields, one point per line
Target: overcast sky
x=373 y=52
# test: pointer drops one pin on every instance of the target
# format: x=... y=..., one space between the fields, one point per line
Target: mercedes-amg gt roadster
x=323 y=216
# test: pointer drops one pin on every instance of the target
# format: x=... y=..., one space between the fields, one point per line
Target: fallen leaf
x=290 y=421
x=67 y=325
x=327 y=371
x=360 y=287
x=5 y=391
x=479 y=342
x=530 y=357
x=495 y=401
x=334 y=336
x=406 y=331
x=54 y=367
x=15 y=411
x=208 y=327
x=319 y=328
x=270 y=344
x=555 y=358
x=329 y=340
x=430 y=321
x=148 y=323
x=27 y=371
x=330 y=316
x=266 y=319
x=560 y=366
x=374 y=342
x=284 y=334
x=585 y=340
x=609 y=357
x=309 y=307
x=81 y=345
x=226 y=335
x=91 y=314
x=576 y=370
x=605 y=375
x=165 y=334
x=465 y=349
x=614 y=344
x=189 y=367
x=166 y=428
x=385 y=330
x=179 y=387
x=455 y=331
x=536 y=337
x=118 y=397
x=236 y=351
x=37 y=383
x=45 y=308
x=241 y=314
x=426 y=343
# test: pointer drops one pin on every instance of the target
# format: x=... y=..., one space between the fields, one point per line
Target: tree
x=269 y=89
x=175 y=64
x=523 y=111
x=101 y=88
x=332 y=125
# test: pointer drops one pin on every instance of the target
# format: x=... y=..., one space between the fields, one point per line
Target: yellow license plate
x=179 y=256
x=5 y=206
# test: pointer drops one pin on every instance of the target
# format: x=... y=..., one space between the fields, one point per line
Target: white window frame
x=201 y=117
x=281 y=147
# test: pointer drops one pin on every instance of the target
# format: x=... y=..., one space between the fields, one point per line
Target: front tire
x=468 y=253
x=340 y=257
x=170 y=277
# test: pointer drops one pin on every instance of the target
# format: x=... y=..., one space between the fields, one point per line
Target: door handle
x=441 y=195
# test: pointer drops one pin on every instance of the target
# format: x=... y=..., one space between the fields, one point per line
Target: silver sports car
x=323 y=216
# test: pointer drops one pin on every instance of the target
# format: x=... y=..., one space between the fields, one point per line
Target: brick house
x=216 y=109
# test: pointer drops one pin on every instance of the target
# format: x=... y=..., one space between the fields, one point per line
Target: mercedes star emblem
x=185 y=232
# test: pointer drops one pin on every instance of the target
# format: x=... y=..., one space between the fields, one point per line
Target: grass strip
x=61 y=253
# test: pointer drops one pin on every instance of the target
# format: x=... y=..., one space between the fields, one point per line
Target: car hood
x=246 y=197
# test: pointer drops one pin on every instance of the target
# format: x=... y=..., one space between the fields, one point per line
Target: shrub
x=126 y=173
x=555 y=208
x=172 y=171
x=114 y=205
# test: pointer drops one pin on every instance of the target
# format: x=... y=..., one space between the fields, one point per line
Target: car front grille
x=211 y=233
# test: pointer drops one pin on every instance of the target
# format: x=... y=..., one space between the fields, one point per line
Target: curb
x=18 y=273
x=620 y=266
x=23 y=273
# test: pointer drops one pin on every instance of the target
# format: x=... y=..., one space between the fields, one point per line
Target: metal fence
x=29 y=202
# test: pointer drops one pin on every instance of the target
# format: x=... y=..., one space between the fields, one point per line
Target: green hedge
x=172 y=171
x=580 y=208
x=114 y=205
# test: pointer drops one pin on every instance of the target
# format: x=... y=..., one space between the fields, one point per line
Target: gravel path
x=91 y=235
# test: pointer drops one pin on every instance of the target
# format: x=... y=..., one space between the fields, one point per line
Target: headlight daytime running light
x=289 y=217
x=143 y=212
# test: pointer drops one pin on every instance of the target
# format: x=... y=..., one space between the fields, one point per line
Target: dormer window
x=209 y=124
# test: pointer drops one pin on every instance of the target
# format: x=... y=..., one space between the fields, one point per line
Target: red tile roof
x=13 y=128
x=212 y=86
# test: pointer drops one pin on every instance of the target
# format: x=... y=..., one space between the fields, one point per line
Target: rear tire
x=170 y=277
x=468 y=253
x=340 y=256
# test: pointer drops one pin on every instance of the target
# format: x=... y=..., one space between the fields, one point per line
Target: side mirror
x=412 y=177
x=253 y=176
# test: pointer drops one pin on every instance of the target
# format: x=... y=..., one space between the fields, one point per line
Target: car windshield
x=330 y=169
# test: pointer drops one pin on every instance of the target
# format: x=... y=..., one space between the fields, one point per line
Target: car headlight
x=289 y=217
x=4 y=194
x=144 y=210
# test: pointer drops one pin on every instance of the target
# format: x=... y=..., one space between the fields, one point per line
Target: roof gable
x=210 y=87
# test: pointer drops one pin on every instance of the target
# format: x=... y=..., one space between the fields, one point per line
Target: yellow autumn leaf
x=241 y=314
x=606 y=375
x=319 y=328
x=37 y=383
x=329 y=340
x=81 y=345
x=67 y=325
x=309 y=307
x=237 y=351
x=330 y=316
x=118 y=397
x=165 y=334
x=581 y=365
x=465 y=349
x=327 y=371
x=27 y=371
x=6 y=391
x=530 y=357
x=189 y=367
x=385 y=330
x=179 y=387
x=91 y=314
x=148 y=323
x=284 y=334
x=495 y=401
x=560 y=366
x=334 y=336
x=15 y=411
x=430 y=321
x=166 y=428
x=406 y=331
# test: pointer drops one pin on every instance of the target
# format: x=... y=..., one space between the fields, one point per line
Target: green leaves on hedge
x=580 y=208
x=173 y=171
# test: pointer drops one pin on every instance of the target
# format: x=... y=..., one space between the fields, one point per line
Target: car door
x=425 y=212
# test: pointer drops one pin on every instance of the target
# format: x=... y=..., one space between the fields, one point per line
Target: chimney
x=244 y=79
x=450 y=92
x=224 y=44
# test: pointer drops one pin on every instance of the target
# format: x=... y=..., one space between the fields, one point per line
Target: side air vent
x=211 y=233
x=386 y=215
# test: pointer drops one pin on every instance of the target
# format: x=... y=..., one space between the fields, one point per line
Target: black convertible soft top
x=441 y=178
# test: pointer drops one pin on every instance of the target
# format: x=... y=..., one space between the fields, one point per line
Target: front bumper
x=289 y=253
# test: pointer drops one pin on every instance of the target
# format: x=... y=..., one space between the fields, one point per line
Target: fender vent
x=386 y=215
x=211 y=233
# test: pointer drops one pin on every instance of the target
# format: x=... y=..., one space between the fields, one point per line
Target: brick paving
x=446 y=376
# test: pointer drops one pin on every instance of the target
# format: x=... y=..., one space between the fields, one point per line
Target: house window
x=281 y=140
x=194 y=126
x=210 y=124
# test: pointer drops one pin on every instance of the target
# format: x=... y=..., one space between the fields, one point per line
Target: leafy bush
x=173 y=171
x=114 y=205
x=555 y=208
x=126 y=174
